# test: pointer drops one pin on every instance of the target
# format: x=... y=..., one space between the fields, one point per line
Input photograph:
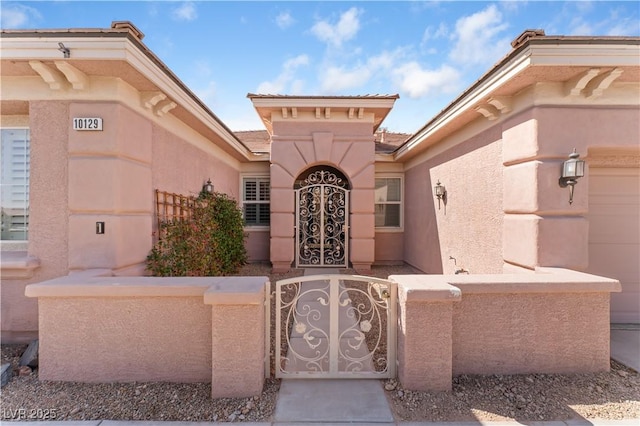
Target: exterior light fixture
x=572 y=170
x=208 y=187
x=65 y=50
x=441 y=193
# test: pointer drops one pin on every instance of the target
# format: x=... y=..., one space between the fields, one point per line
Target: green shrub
x=211 y=243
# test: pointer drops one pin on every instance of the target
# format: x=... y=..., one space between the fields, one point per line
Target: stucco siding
x=389 y=249
x=180 y=167
x=468 y=226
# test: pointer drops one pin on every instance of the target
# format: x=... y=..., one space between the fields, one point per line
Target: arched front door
x=322 y=224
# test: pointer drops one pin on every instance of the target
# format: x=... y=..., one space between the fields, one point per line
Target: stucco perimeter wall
x=468 y=225
x=107 y=329
x=551 y=321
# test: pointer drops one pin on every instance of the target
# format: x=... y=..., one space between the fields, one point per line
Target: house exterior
x=93 y=123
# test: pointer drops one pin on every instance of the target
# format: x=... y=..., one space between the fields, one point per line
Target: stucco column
x=109 y=182
x=425 y=331
x=237 y=337
x=282 y=227
x=540 y=227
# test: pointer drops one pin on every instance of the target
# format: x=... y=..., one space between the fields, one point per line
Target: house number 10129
x=87 y=123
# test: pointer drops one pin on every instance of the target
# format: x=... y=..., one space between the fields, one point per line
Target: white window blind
x=14 y=184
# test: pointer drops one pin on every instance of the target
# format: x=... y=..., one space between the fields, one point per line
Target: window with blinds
x=255 y=201
x=388 y=199
x=14 y=184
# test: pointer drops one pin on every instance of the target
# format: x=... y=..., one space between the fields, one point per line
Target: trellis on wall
x=171 y=207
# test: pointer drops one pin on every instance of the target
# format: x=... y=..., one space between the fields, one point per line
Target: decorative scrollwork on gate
x=324 y=177
x=322 y=209
x=366 y=310
x=335 y=326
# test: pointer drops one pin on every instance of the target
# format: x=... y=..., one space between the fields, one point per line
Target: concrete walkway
x=625 y=344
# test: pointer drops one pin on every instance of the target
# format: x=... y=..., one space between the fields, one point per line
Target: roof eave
x=148 y=64
x=548 y=50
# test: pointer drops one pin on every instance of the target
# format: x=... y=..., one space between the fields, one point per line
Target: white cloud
x=208 y=94
x=624 y=27
x=284 y=20
x=286 y=77
x=18 y=16
x=335 y=79
x=418 y=82
x=433 y=34
x=345 y=29
x=185 y=12
x=580 y=28
x=477 y=38
x=513 y=6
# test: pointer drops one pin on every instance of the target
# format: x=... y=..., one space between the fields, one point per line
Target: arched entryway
x=322 y=218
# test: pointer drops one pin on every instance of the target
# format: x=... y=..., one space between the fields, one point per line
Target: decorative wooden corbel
x=599 y=84
x=77 y=78
x=575 y=86
x=502 y=103
x=54 y=78
x=150 y=99
x=489 y=111
x=164 y=107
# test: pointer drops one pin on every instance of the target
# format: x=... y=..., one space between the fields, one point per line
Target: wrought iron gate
x=322 y=211
x=335 y=326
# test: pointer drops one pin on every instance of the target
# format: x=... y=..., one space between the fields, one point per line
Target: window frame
x=21 y=244
x=257 y=177
x=400 y=227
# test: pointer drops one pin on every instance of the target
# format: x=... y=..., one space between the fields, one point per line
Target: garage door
x=614 y=236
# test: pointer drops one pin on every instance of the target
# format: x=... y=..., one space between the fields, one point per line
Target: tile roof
x=258 y=140
x=367 y=96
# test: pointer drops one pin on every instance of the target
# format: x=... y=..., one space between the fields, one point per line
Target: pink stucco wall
x=540 y=226
x=517 y=333
x=182 y=168
x=48 y=217
x=257 y=244
x=550 y=321
x=109 y=181
x=176 y=329
x=78 y=178
x=468 y=227
x=389 y=248
x=171 y=339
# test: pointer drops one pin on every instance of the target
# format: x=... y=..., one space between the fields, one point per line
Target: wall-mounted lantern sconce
x=208 y=187
x=572 y=170
x=441 y=193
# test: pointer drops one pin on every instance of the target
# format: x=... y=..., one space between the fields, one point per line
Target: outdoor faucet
x=458 y=270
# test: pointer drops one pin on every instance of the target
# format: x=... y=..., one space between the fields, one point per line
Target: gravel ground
x=613 y=395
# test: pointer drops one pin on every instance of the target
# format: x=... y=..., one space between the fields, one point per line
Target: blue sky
x=427 y=52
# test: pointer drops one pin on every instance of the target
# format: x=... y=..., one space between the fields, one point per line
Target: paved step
x=322 y=401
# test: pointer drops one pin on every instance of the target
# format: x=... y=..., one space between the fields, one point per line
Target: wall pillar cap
x=237 y=291
x=422 y=288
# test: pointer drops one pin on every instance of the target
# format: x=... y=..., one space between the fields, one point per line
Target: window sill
x=389 y=230
x=18 y=265
x=257 y=228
